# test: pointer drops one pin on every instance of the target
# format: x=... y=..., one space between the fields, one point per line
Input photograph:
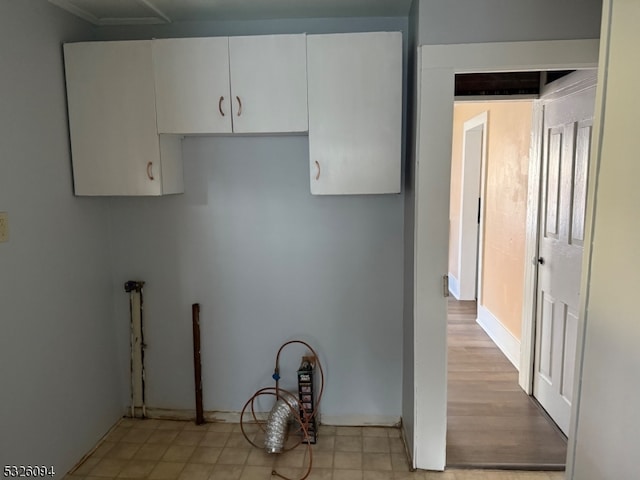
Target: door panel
x=546 y=327
x=567 y=134
x=570 y=342
x=583 y=140
x=553 y=183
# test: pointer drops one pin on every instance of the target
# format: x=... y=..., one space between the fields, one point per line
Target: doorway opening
x=425 y=408
x=492 y=422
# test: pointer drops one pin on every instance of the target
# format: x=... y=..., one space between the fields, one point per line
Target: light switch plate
x=4 y=227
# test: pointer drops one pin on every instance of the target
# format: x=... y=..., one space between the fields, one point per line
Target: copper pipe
x=197 y=365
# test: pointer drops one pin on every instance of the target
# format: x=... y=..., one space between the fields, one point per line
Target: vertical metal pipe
x=197 y=366
x=142 y=347
x=136 y=307
x=132 y=354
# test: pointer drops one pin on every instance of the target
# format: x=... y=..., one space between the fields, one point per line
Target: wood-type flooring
x=492 y=423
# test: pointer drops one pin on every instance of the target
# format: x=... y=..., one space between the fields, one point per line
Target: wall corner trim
x=407 y=449
x=503 y=338
x=454 y=286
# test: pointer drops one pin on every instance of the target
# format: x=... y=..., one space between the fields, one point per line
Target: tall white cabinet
x=355 y=112
x=115 y=145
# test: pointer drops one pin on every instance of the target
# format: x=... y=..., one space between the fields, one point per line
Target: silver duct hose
x=280 y=416
x=285 y=410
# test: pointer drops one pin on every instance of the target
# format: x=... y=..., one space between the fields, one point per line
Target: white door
x=269 y=83
x=566 y=142
x=469 y=246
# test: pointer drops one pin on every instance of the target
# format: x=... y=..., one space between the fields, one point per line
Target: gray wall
x=60 y=390
x=473 y=21
x=267 y=261
x=608 y=422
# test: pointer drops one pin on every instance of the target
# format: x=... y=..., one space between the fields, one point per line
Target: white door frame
x=437 y=66
x=559 y=88
x=472 y=188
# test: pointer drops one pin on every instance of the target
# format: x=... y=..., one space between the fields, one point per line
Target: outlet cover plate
x=4 y=227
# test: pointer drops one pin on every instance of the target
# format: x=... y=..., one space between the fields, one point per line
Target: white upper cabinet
x=269 y=83
x=355 y=112
x=252 y=84
x=192 y=85
x=115 y=146
x=129 y=102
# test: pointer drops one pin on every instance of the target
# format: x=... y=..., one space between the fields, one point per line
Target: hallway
x=491 y=422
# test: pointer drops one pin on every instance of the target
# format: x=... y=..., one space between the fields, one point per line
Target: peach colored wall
x=508 y=137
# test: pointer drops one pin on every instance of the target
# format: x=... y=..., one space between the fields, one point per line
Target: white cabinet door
x=115 y=145
x=355 y=112
x=192 y=85
x=269 y=83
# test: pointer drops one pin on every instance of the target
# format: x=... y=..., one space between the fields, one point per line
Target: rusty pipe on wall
x=197 y=364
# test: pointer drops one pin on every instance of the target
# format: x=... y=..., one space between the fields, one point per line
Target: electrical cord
x=303 y=423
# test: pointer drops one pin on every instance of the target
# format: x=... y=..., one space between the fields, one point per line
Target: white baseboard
x=502 y=337
x=234 y=417
x=209 y=416
x=454 y=286
x=361 y=420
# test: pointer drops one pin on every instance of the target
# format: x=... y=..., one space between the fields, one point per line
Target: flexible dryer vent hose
x=285 y=409
x=280 y=417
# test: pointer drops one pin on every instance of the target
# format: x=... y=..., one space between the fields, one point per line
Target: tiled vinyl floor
x=166 y=450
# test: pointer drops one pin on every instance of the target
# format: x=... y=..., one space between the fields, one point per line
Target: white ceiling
x=131 y=12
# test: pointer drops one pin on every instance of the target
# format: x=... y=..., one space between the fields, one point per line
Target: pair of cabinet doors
x=214 y=85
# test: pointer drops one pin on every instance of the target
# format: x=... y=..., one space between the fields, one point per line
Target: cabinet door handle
x=239 y=105
x=150 y=170
x=220 y=106
x=318 y=170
